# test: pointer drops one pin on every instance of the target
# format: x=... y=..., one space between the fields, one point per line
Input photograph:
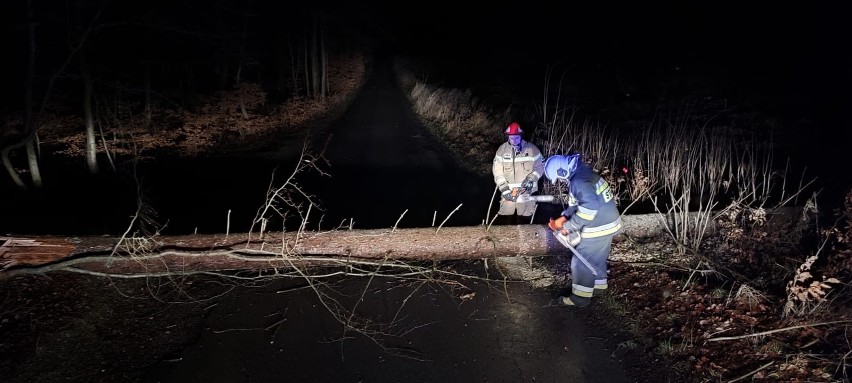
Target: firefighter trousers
x=584 y=283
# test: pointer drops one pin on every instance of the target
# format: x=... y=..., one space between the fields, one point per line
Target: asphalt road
x=422 y=333
x=383 y=163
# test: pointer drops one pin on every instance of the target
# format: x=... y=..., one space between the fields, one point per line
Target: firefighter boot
x=573 y=301
x=600 y=288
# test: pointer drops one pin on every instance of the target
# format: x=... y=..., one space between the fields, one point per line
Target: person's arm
x=587 y=204
x=569 y=211
x=499 y=177
x=538 y=165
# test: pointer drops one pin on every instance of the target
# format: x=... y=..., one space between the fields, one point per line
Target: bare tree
x=31 y=116
x=316 y=60
x=240 y=57
x=88 y=115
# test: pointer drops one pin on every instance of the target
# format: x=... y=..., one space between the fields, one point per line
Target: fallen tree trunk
x=194 y=253
x=176 y=254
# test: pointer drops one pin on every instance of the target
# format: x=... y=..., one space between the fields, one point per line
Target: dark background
x=784 y=67
x=796 y=54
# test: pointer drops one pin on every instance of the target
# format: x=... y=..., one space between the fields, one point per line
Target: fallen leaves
x=706 y=309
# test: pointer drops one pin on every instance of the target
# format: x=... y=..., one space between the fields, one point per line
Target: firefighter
x=590 y=222
x=517 y=167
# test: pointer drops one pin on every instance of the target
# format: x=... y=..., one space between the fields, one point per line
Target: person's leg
x=583 y=279
x=506 y=207
x=526 y=209
x=601 y=280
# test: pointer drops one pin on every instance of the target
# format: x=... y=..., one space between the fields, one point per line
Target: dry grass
x=466 y=125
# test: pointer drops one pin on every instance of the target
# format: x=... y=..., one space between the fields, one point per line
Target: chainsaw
x=565 y=241
x=534 y=198
x=568 y=241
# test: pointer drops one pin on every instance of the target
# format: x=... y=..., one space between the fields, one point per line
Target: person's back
x=585 y=186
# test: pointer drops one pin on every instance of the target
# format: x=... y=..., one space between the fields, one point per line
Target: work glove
x=557 y=224
x=507 y=194
x=528 y=184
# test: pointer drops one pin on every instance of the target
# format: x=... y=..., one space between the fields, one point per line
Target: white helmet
x=561 y=167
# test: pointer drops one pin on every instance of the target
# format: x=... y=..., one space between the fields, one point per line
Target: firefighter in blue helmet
x=590 y=222
x=517 y=167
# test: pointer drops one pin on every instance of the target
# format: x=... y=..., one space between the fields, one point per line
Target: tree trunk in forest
x=315 y=75
x=308 y=90
x=31 y=123
x=316 y=56
x=32 y=160
x=240 y=54
x=29 y=114
x=88 y=115
x=323 y=66
x=294 y=68
x=148 y=91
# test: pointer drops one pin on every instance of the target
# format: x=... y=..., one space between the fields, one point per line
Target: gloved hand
x=507 y=194
x=528 y=184
x=571 y=237
x=557 y=224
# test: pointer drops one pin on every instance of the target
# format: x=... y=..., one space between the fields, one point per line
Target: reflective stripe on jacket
x=591 y=206
x=510 y=167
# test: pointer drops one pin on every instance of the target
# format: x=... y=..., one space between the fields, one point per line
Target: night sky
x=795 y=53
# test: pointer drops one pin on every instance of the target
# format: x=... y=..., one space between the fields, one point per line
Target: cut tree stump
x=199 y=252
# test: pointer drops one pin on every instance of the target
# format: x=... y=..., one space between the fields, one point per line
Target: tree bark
x=316 y=85
x=32 y=160
x=88 y=115
x=323 y=65
x=29 y=114
x=199 y=252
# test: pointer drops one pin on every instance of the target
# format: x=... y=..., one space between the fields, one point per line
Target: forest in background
x=116 y=73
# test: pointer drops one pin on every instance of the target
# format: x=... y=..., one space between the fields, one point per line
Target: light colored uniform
x=511 y=167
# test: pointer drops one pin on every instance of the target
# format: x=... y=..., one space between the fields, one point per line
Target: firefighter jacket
x=511 y=166
x=591 y=206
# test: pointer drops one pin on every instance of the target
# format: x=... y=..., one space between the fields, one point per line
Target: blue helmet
x=561 y=167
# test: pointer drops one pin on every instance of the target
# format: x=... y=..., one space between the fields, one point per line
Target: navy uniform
x=592 y=214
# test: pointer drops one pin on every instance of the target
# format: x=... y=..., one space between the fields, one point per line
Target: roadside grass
x=469 y=127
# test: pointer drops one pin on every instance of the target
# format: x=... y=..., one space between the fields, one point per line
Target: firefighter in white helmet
x=590 y=222
x=517 y=167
